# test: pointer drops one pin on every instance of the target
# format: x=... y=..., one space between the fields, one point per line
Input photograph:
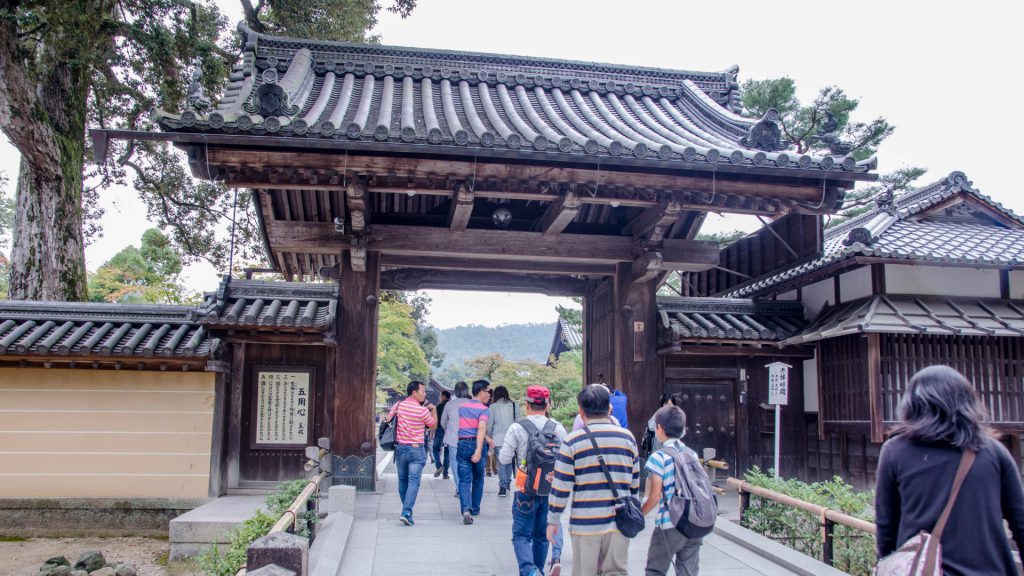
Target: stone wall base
x=91 y=516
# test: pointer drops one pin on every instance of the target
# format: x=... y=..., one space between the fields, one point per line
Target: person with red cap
x=533 y=443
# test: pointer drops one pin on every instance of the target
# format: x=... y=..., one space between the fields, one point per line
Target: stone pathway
x=439 y=544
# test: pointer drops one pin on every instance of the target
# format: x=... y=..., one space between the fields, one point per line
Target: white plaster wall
x=791 y=295
x=816 y=295
x=855 y=284
x=1017 y=284
x=811 y=385
x=938 y=281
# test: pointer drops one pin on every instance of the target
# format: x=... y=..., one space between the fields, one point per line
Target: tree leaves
x=148 y=274
x=808 y=127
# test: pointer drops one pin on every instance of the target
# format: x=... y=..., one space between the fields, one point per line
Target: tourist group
x=939 y=454
x=597 y=465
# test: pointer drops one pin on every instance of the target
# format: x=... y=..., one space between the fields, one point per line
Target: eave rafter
x=560 y=213
x=461 y=207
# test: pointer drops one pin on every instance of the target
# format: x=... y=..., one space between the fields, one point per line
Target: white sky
x=948 y=75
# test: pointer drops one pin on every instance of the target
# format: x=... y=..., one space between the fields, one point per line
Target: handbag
x=922 y=554
x=386 y=434
x=629 y=519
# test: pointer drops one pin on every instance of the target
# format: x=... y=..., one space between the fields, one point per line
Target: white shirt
x=517 y=439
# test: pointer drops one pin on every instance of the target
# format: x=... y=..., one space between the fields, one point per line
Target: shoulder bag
x=386 y=434
x=629 y=519
x=922 y=554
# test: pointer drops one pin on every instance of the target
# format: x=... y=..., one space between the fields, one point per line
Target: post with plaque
x=778 y=395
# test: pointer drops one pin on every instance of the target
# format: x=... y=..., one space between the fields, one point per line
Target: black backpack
x=541 y=451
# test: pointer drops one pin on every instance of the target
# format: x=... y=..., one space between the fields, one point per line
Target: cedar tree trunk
x=43 y=97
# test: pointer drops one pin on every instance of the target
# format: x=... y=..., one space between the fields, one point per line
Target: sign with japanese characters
x=283 y=405
x=778 y=383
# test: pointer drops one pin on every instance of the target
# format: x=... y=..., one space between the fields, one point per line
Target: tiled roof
x=95 y=329
x=570 y=334
x=702 y=319
x=896 y=232
x=918 y=315
x=279 y=305
x=406 y=100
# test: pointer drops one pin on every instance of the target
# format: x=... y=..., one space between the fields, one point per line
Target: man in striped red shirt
x=415 y=416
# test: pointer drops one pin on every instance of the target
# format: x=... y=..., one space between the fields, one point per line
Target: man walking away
x=414 y=418
x=667 y=542
x=440 y=453
x=598 y=546
x=472 y=451
x=451 y=429
x=533 y=443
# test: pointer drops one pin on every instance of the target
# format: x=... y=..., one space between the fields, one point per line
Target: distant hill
x=513 y=341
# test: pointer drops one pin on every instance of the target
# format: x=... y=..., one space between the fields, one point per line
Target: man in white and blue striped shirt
x=668 y=543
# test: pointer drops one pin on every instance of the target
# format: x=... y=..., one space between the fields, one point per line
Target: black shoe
x=488 y=474
x=437 y=473
x=502 y=491
x=445 y=476
x=467 y=518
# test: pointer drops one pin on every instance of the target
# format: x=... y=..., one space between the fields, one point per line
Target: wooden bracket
x=461 y=207
x=355 y=195
x=647 y=267
x=560 y=213
x=358 y=254
x=652 y=223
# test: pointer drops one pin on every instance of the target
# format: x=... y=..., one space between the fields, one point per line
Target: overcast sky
x=948 y=75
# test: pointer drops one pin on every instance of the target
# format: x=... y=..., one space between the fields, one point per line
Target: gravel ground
x=24 y=558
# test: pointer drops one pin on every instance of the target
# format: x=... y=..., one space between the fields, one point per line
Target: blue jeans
x=556 y=548
x=529 y=532
x=471 y=475
x=504 y=472
x=410 y=463
x=453 y=460
x=440 y=454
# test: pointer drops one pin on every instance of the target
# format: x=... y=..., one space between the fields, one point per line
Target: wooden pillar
x=638 y=368
x=355 y=367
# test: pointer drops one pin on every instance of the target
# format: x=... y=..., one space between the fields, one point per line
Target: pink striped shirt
x=413 y=420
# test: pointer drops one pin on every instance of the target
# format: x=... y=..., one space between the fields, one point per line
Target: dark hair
x=461 y=389
x=940 y=405
x=500 y=393
x=594 y=400
x=479 y=386
x=446 y=394
x=412 y=387
x=665 y=398
x=672 y=420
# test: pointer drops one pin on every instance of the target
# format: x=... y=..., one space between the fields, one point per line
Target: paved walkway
x=439 y=544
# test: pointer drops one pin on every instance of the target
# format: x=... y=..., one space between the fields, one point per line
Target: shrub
x=214 y=563
x=853 y=550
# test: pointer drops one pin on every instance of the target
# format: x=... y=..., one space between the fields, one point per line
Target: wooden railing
x=288 y=522
x=828 y=518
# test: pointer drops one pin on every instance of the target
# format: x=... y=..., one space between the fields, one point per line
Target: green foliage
x=853 y=550
x=862 y=200
x=349 y=20
x=399 y=355
x=803 y=125
x=513 y=341
x=148 y=274
x=564 y=380
x=571 y=316
x=214 y=563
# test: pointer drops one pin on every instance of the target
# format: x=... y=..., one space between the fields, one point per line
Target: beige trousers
x=602 y=555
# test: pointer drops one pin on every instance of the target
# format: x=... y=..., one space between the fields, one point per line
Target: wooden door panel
x=710 y=416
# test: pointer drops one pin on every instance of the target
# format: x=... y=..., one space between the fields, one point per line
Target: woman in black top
x=940 y=416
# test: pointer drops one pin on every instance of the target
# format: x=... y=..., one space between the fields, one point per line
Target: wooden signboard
x=282 y=407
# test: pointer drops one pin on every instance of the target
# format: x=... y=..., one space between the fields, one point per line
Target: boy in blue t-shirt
x=668 y=543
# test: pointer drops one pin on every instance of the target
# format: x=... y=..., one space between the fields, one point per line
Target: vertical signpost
x=778 y=395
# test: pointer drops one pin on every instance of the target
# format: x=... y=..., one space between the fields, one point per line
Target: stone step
x=194 y=531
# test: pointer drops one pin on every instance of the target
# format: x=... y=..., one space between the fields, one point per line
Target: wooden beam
x=875 y=388
x=461 y=207
x=560 y=213
x=652 y=223
x=357 y=252
x=355 y=197
x=423 y=168
x=321 y=238
x=488 y=265
x=422 y=278
x=647 y=267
